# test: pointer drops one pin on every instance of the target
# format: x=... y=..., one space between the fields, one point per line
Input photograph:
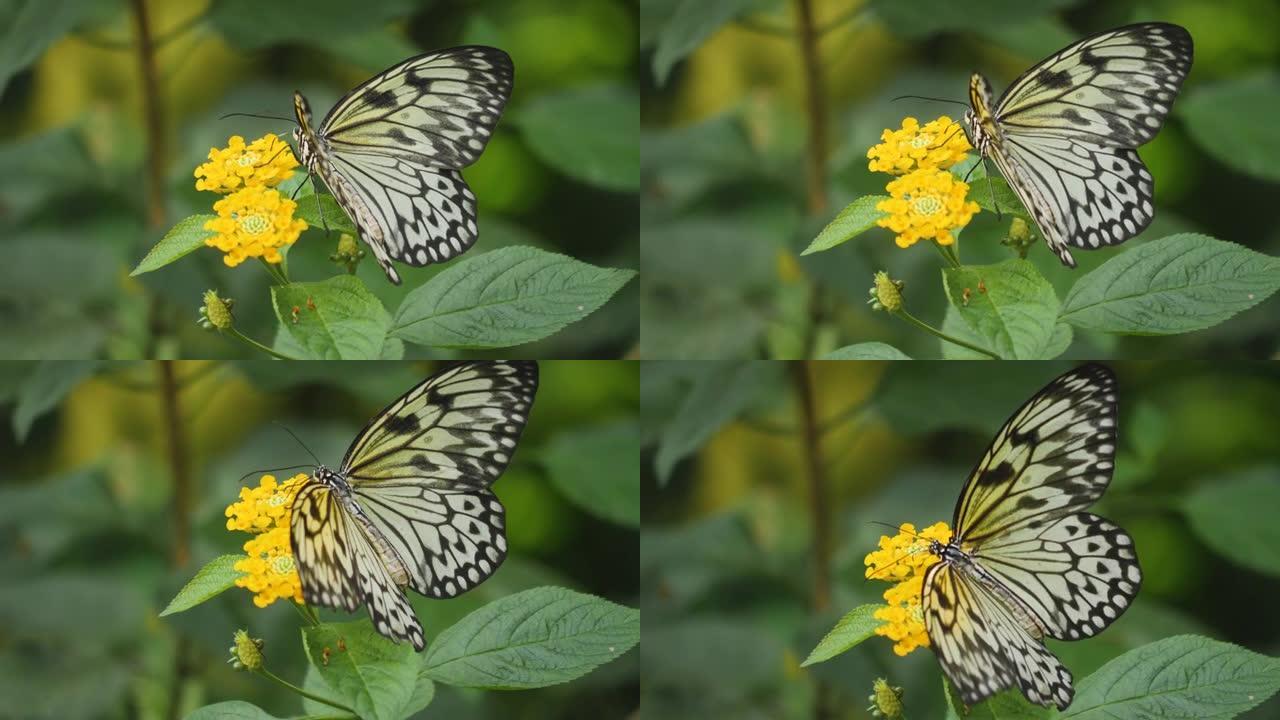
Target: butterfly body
x=1026 y=561
x=1064 y=134
x=391 y=150
x=411 y=505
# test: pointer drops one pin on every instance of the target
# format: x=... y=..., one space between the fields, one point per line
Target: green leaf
x=233 y=710
x=324 y=210
x=347 y=322
x=1010 y=307
x=373 y=675
x=721 y=391
x=216 y=576
x=44 y=388
x=866 y=351
x=998 y=196
x=1185 y=676
x=857 y=625
x=182 y=239
x=588 y=134
x=1236 y=516
x=692 y=23
x=1233 y=121
x=250 y=24
x=30 y=26
x=955 y=326
x=924 y=17
x=1173 y=285
x=856 y=218
x=535 y=638
x=590 y=467
x=504 y=297
x=1007 y=705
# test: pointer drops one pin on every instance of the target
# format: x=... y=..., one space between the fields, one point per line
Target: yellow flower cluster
x=940 y=143
x=267 y=161
x=254 y=220
x=926 y=201
x=903 y=559
x=926 y=204
x=269 y=570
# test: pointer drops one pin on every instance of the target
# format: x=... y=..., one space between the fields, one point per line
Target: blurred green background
x=560 y=172
x=726 y=205
x=729 y=592
x=99 y=531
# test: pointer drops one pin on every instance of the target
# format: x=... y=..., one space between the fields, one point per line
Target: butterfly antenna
x=264 y=117
x=897 y=528
x=267 y=470
x=922 y=97
x=991 y=189
x=295 y=437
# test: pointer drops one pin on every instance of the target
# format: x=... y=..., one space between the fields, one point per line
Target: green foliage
x=858 y=217
x=578 y=461
x=588 y=134
x=924 y=17
x=1010 y=307
x=322 y=211
x=504 y=297
x=365 y=671
x=29 y=26
x=43 y=389
x=337 y=319
x=217 y=575
x=1231 y=120
x=233 y=710
x=539 y=637
x=866 y=351
x=692 y=22
x=857 y=625
x=182 y=239
x=1236 y=517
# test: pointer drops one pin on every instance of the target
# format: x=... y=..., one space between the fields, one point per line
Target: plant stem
x=948 y=253
x=273 y=353
x=180 y=475
x=938 y=333
x=818 y=511
x=276 y=273
x=331 y=703
x=153 y=113
x=816 y=147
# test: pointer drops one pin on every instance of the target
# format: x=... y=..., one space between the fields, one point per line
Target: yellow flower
x=904 y=559
x=939 y=144
x=926 y=204
x=269 y=569
x=267 y=161
x=253 y=222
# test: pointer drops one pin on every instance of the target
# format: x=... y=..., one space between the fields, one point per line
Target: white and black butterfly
x=1026 y=561
x=1064 y=134
x=390 y=151
x=411 y=505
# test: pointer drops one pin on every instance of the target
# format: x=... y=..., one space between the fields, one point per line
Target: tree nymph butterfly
x=411 y=505
x=1064 y=133
x=391 y=150
x=1026 y=561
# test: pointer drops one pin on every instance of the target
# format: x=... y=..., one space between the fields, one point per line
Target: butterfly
x=1026 y=561
x=411 y=504
x=390 y=151
x=1064 y=133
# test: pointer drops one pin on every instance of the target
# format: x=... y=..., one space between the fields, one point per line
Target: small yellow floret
x=254 y=222
x=926 y=204
x=269 y=569
x=903 y=559
x=267 y=161
x=940 y=143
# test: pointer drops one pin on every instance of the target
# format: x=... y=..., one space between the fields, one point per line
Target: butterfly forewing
x=1064 y=134
x=1026 y=561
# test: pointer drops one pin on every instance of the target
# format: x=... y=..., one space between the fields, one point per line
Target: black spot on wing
x=1056 y=80
x=995 y=475
x=385 y=99
x=401 y=424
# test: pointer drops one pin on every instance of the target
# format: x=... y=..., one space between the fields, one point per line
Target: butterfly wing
x=394 y=144
x=1068 y=127
x=340 y=567
x=421 y=470
x=982 y=643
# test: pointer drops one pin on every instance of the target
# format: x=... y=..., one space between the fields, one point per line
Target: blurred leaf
x=30 y=26
x=1173 y=285
x=217 y=575
x=994 y=194
x=373 y=675
x=1232 y=121
x=35 y=168
x=691 y=23
x=1236 y=516
x=233 y=710
x=924 y=17
x=969 y=395
x=539 y=637
x=372 y=49
x=718 y=658
x=44 y=389
x=1182 y=676
x=597 y=469
x=866 y=351
x=721 y=391
x=857 y=625
x=1016 y=313
x=250 y=24
x=1033 y=38
x=857 y=217
x=347 y=322
x=1007 y=705
x=50 y=332
x=318 y=212
x=588 y=134
x=688 y=560
x=72 y=609
x=424 y=691
x=707 y=253
x=65 y=685
x=682 y=162
x=654 y=15
x=504 y=297
x=182 y=239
